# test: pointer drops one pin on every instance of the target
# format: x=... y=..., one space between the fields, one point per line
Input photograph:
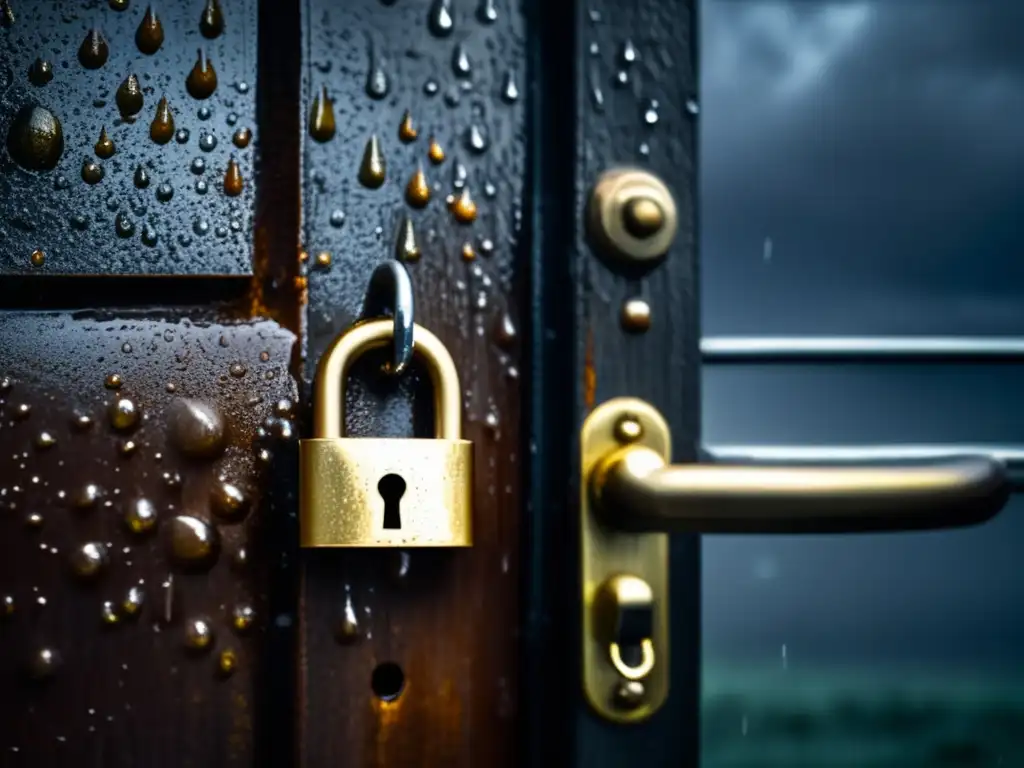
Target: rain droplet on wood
x=92 y=172
x=88 y=560
x=129 y=97
x=321 y=117
x=505 y=330
x=439 y=18
x=406 y=130
x=150 y=34
x=196 y=429
x=41 y=72
x=140 y=516
x=242 y=618
x=191 y=542
x=104 y=145
x=133 y=602
x=460 y=62
x=37 y=259
x=124 y=414
x=44 y=663
x=161 y=130
x=463 y=208
x=202 y=80
x=509 y=89
x=377 y=85
x=35 y=139
x=486 y=12
x=233 y=181
x=94 y=51
x=628 y=53
x=406 y=246
x=476 y=139
x=417 y=191
x=373 y=168
x=435 y=152
x=468 y=254
x=229 y=501
x=242 y=137
x=198 y=634
x=227 y=661
x=211 y=21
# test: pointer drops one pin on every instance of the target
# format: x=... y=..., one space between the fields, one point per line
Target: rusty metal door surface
x=193 y=198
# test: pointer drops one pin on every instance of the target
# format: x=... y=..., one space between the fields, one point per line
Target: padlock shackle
x=333 y=370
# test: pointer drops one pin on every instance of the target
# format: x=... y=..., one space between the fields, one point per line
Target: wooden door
x=165 y=302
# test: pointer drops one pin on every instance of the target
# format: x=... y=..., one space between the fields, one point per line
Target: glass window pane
x=861 y=166
x=868 y=651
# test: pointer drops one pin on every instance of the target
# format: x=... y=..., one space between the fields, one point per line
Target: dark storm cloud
x=877 y=147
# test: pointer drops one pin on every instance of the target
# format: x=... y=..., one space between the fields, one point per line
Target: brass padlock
x=385 y=492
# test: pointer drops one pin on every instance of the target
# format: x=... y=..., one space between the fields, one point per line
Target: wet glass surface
x=860 y=176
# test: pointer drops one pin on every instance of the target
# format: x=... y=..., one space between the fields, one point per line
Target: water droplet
x=88 y=560
x=149 y=235
x=628 y=54
x=37 y=258
x=141 y=177
x=229 y=501
x=460 y=62
x=240 y=558
x=242 y=137
x=468 y=254
x=211 y=22
x=509 y=89
x=597 y=98
x=692 y=107
x=81 y=421
x=182 y=136
x=439 y=20
x=476 y=139
x=34 y=520
x=191 y=542
x=140 y=516
x=61 y=182
x=227 y=661
x=459 y=175
x=129 y=97
x=87 y=496
x=92 y=172
x=233 y=182
x=231 y=119
x=123 y=225
x=430 y=87
x=373 y=168
x=486 y=12
x=44 y=663
x=79 y=222
x=377 y=85
x=133 y=601
x=435 y=152
x=7 y=606
x=196 y=429
x=104 y=145
x=118 y=5
x=41 y=72
x=406 y=130
x=237 y=370
x=35 y=139
x=651 y=112
x=204 y=113
x=202 y=80
x=162 y=128
x=45 y=440
x=337 y=217
x=242 y=87
x=198 y=166
x=406 y=246
x=644 y=149
x=207 y=142
x=417 y=191
x=202 y=187
x=164 y=192
x=150 y=34
x=93 y=52
x=200 y=227
x=348 y=630
x=242 y=618
x=108 y=613
x=22 y=411
x=635 y=315
x=198 y=634
x=321 y=117
x=463 y=208
x=323 y=259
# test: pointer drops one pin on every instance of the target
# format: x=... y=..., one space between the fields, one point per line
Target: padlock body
x=342 y=504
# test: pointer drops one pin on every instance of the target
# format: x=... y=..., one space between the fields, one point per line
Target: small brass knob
x=631 y=216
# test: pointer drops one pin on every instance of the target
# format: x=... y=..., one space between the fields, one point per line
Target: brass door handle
x=631 y=497
x=635 y=489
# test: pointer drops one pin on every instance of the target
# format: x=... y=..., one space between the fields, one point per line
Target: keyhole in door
x=392 y=488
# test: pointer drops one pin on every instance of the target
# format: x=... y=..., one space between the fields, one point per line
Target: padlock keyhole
x=391 y=488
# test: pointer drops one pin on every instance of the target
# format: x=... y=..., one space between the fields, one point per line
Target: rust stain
x=589 y=372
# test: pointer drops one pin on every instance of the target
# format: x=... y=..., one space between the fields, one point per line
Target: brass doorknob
x=631 y=217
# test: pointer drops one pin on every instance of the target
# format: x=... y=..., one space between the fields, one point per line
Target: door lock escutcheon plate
x=621 y=572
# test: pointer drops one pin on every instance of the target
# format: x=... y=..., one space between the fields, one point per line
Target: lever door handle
x=635 y=489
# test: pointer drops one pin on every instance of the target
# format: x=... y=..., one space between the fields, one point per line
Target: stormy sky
x=862 y=166
x=863 y=172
